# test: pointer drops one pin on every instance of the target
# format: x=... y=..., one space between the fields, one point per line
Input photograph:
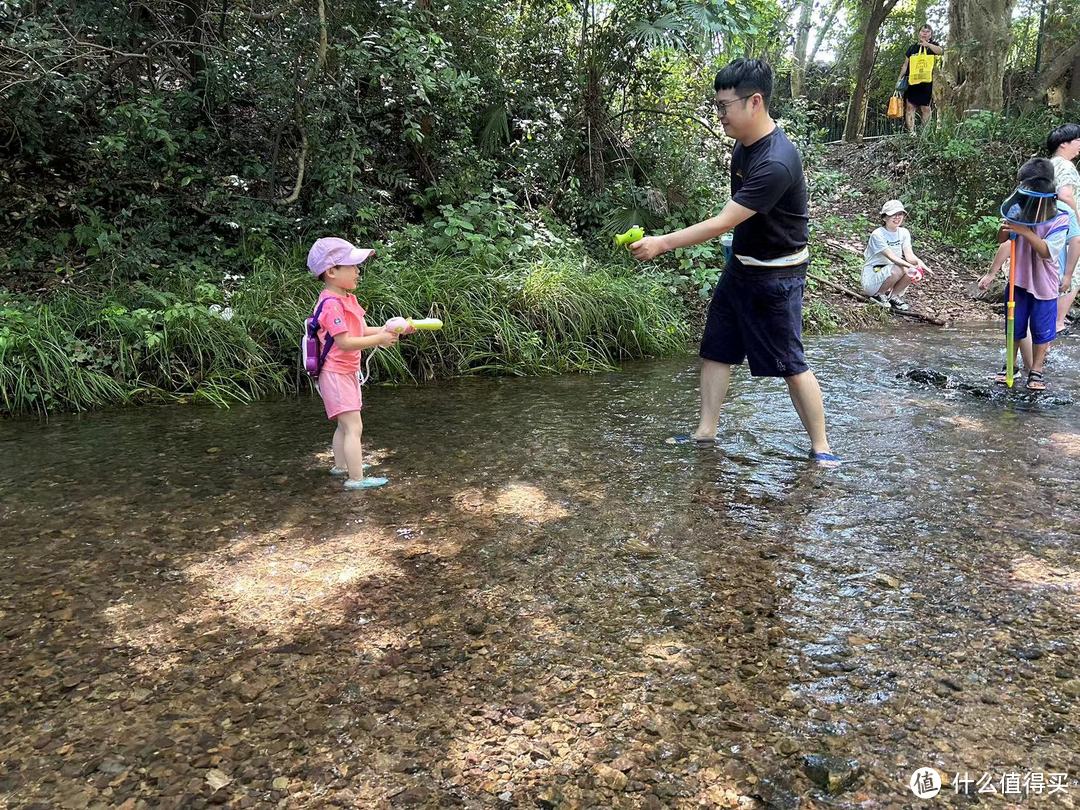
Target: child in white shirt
x=890 y=265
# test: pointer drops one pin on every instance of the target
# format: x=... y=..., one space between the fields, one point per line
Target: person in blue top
x=1070 y=255
x=756 y=310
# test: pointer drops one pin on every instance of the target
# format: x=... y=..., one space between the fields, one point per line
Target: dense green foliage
x=172 y=155
x=172 y=137
x=157 y=159
x=957 y=174
x=138 y=343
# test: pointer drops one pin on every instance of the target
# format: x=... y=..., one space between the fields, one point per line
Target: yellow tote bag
x=921 y=67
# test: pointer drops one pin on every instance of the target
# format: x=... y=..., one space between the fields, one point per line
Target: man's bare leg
x=714 y=384
x=806 y=397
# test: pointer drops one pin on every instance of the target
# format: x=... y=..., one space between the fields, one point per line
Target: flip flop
x=825 y=459
x=686 y=438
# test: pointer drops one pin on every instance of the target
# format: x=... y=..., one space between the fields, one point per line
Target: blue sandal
x=366 y=483
x=825 y=459
x=687 y=438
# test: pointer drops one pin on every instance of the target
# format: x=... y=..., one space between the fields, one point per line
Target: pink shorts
x=340 y=393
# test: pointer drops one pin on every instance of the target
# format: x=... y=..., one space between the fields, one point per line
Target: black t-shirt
x=767 y=177
x=914 y=49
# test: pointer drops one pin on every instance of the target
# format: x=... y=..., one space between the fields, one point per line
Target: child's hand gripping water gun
x=406 y=326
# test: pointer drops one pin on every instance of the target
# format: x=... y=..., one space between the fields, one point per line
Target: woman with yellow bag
x=916 y=80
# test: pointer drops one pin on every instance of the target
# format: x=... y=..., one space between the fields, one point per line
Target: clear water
x=545 y=587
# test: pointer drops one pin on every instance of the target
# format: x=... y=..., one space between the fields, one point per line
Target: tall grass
x=557 y=313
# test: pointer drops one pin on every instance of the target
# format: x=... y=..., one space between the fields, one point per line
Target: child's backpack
x=311 y=354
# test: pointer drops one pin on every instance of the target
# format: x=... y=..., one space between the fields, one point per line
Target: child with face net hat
x=1032 y=219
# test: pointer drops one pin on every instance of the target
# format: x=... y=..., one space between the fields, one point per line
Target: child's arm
x=1036 y=241
x=913 y=260
x=995 y=266
x=350 y=342
x=900 y=260
x=1070 y=263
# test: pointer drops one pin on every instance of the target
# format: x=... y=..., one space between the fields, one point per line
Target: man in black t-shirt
x=756 y=310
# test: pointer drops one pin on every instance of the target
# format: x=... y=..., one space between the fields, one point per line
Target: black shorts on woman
x=919 y=95
x=756 y=311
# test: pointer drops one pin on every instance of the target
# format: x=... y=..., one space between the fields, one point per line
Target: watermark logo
x=925 y=783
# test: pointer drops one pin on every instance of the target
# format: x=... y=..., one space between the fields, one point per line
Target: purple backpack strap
x=315 y=330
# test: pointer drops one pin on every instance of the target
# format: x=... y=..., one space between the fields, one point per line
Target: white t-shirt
x=1065 y=173
x=883 y=239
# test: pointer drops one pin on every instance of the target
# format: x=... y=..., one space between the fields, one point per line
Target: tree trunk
x=798 y=67
x=974 y=64
x=1059 y=53
x=823 y=31
x=1056 y=69
x=1074 y=85
x=875 y=13
x=193 y=11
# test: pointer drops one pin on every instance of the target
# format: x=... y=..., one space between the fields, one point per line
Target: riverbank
x=237 y=340
x=220 y=337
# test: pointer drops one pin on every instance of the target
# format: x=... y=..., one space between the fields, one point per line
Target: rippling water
x=712 y=616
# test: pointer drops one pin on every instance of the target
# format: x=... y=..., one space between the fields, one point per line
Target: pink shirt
x=1035 y=274
x=342 y=314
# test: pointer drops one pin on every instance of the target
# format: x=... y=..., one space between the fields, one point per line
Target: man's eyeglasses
x=721 y=106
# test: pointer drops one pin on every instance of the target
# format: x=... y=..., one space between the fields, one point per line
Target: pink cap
x=330 y=251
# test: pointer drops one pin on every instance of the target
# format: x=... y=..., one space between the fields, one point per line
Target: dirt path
x=841 y=221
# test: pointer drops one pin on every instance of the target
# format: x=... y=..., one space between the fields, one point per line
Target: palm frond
x=496 y=128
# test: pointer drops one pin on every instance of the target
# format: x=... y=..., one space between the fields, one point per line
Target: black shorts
x=920 y=95
x=756 y=315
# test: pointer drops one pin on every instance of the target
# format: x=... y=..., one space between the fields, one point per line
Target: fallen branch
x=866 y=299
x=836 y=243
x=674 y=114
x=295 y=195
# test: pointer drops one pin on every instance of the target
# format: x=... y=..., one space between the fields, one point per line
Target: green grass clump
x=555 y=313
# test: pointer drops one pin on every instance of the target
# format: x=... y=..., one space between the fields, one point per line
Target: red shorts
x=340 y=393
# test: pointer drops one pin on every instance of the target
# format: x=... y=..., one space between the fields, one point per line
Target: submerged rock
x=984 y=389
x=833 y=774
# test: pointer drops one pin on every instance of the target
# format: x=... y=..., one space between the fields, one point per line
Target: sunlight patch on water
x=524 y=501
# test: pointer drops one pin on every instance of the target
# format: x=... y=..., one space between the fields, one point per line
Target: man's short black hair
x=746 y=77
x=1037 y=174
x=1062 y=134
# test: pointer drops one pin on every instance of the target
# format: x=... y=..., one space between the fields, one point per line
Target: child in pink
x=337 y=264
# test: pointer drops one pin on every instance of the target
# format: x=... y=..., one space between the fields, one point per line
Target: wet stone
x=832 y=773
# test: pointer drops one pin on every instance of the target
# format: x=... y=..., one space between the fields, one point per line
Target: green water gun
x=631 y=236
x=406 y=326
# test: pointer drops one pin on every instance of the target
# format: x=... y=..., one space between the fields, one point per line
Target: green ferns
x=554 y=314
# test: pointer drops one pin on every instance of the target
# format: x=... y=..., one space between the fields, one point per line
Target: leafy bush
x=553 y=312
